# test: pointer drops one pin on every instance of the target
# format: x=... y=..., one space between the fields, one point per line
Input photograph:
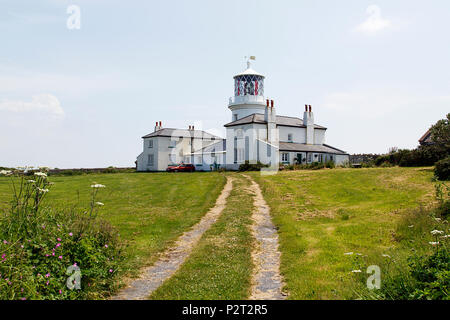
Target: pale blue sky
x=83 y=98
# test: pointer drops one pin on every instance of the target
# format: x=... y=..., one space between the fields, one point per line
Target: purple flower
x=110 y=270
x=106 y=246
x=60 y=291
x=59 y=239
x=5 y=242
x=58 y=245
x=47 y=275
x=60 y=257
x=70 y=234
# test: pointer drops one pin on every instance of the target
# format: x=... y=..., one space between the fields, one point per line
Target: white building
x=255 y=134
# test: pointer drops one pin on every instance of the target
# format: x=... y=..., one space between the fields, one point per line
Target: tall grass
x=42 y=246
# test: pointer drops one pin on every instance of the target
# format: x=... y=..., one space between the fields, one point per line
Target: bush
x=40 y=244
x=442 y=169
x=252 y=166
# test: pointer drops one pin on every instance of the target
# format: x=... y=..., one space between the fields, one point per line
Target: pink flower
x=47 y=275
x=5 y=242
x=60 y=291
x=60 y=257
x=47 y=283
x=75 y=264
x=71 y=234
x=110 y=270
x=58 y=245
x=47 y=255
x=106 y=246
x=59 y=239
x=53 y=253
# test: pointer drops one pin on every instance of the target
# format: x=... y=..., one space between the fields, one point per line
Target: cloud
x=374 y=23
x=44 y=104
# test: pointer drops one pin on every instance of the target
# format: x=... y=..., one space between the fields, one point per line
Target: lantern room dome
x=249 y=71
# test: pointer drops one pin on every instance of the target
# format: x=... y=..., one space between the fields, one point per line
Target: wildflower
x=435 y=232
x=348 y=253
x=58 y=245
x=5 y=242
x=21 y=246
x=47 y=255
x=43 y=190
x=434 y=243
x=100 y=203
x=110 y=270
x=40 y=174
x=75 y=264
x=386 y=255
x=31 y=181
x=23 y=299
x=356 y=271
x=106 y=246
x=411 y=226
x=98 y=186
x=60 y=291
x=47 y=283
x=437 y=219
x=60 y=257
x=70 y=234
x=59 y=239
x=47 y=275
x=358 y=254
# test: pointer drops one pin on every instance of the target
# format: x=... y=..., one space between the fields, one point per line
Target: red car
x=181 y=167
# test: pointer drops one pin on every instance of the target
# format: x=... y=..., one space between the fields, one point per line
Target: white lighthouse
x=248 y=94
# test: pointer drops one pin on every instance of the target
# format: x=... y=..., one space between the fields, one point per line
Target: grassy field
x=150 y=210
x=220 y=267
x=323 y=214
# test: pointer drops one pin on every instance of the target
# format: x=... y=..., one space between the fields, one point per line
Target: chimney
x=157 y=127
x=192 y=127
x=267 y=102
x=189 y=128
x=308 y=122
x=271 y=103
x=160 y=124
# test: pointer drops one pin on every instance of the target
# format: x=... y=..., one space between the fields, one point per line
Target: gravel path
x=267 y=282
x=174 y=257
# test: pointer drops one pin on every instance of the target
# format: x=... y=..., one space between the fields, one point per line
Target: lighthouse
x=248 y=93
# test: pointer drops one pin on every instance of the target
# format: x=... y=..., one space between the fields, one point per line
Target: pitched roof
x=426 y=138
x=185 y=133
x=301 y=147
x=280 y=121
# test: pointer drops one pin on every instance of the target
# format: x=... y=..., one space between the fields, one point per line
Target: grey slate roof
x=185 y=133
x=281 y=121
x=301 y=147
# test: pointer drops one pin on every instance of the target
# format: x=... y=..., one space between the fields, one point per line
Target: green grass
x=149 y=210
x=220 y=266
x=323 y=214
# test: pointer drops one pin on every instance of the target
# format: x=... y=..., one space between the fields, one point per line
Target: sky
x=80 y=86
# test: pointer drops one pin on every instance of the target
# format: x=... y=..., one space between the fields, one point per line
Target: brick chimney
x=158 y=126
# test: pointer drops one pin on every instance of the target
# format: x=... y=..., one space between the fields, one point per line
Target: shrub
x=442 y=169
x=39 y=243
x=247 y=166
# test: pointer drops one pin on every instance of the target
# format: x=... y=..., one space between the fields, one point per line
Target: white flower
x=411 y=226
x=43 y=190
x=40 y=174
x=356 y=271
x=100 y=203
x=348 y=253
x=434 y=243
x=446 y=236
x=358 y=254
x=386 y=255
x=5 y=172
x=435 y=232
x=31 y=181
x=437 y=219
x=97 y=186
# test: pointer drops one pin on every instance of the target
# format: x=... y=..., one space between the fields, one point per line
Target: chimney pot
x=310 y=109
x=267 y=102
x=160 y=124
x=306 y=107
x=271 y=103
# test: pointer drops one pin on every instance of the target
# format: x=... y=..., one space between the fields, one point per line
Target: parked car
x=181 y=167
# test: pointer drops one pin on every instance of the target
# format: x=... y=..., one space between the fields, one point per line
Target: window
x=213 y=152
x=235 y=117
x=309 y=157
x=150 y=143
x=150 y=160
x=285 y=157
x=290 y=137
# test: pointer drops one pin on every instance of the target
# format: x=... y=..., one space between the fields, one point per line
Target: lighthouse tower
x=248 y=94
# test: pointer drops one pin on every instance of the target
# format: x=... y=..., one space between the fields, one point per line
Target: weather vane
x=248 y=60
